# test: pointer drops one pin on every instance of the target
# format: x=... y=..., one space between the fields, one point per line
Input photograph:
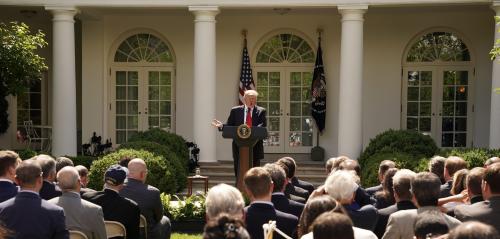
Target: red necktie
x=249 y=118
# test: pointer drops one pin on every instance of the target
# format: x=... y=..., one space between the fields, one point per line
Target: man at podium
x=252 y=115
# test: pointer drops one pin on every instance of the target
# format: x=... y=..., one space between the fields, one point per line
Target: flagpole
x=319 y=31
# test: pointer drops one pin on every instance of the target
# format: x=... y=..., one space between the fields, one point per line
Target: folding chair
x=143 y=225
x=77 y=235
x=115 y=229
x=32 y=135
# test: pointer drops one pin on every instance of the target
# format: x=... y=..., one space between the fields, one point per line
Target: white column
x=351 y=81
x=63 y=81
x=204 y=80
x=495 y=95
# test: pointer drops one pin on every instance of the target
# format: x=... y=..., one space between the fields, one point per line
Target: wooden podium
x=245 y=137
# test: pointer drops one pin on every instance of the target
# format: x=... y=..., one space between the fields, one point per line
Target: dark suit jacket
x=362 y=198
x=486 y=212
x=290 y=189
x=236 y=118
x=49 y=190
x=257 y=214
x=445 y=189
x=7 y=190
x=31 y=217
x=372 y=190
x=148 y=199
x=383 y=215
x=117 y=208
x=302 y=184
x=282 y=203
x=365 y=217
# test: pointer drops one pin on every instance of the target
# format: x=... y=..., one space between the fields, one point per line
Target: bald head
x=137 y=169
x=68 y=179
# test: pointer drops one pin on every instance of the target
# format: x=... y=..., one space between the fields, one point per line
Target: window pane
x=412 y=123
x=449 y=93
x=448 y=109
x=165 y=93
x=133 y=78
x=132 y=122
x=461 y=109
x=461 y=93
x=294 y=139
x=307 y=139
x=121 y=107
x=154 y=93
x=295 y=79
x=425 y=124
x=274 y=94
x=263 y=95
x=132 y=107
x=121 y=136
x=426 y=78
x=274 y=78
x=447 y=140
x=307 y=124
x=425 y=109
x=133 y=93
x=274 y=123
x=273 y=139
x=262 y=79
x=165 y=78
x=121 y=122
x=306 y=94
x=306 y=109
x=165 y=122
x=121 y=77
x=153 y=121
x=295 y=109
x=294 y=124
x=462 y=77
x=413 y=78
x=412 y=109
x=447 y=124
x=121 y=92
x=295 y=94
x=307 y=79
x=154 y=78
x=412 y=93
x=153 y=107
x=274 y=109
x=460 y=124
x=426 y=93
x=165 y=108
x=460 y=140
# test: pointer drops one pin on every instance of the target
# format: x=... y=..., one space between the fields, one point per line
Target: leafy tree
x=20 y=66
x=495 y=52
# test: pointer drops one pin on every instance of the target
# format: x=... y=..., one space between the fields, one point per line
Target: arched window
x=143 y=48
x=438 y=46
x=285 y=47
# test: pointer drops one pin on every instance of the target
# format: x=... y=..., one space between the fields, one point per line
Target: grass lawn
x=185 y=236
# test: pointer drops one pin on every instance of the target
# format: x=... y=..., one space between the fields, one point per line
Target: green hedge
x=180 y=170
x=475 y=157
x=83 y=160
x=26 y=153
x=160 y=172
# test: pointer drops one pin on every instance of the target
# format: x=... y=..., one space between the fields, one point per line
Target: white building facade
x=118 y=67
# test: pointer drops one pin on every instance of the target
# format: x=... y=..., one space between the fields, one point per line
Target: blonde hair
x=250 y=93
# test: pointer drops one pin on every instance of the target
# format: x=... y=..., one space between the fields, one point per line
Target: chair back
x=143 y=225
x=77 y=235
x=30 y=131
x=115 y=229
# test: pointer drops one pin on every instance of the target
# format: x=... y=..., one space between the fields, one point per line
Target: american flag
x=246 y=79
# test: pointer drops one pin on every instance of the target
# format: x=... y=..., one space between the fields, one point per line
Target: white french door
x=142 y=98
x=437 y=101
x=285 y=93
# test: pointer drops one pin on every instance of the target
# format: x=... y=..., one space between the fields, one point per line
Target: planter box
x=188 y=226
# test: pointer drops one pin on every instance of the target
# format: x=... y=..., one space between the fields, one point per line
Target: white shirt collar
x=279 y=193
x=6 y=180
x=28 y=191
x=264 y=202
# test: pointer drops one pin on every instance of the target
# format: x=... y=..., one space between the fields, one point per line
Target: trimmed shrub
x=369 y=172
x=83 y=160
x=159 y=169
x=180 y=171
x=26 y=153
x=475 y=157
x=400 y=141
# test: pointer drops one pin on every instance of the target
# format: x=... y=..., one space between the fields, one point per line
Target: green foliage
x=26 y=153
x=369 y=172
x=186 y=236
x=188 y=208
x=159 y=170
x=20 y=66
x=400 y=141
x=83 y=160
x=475 y=157
x=161 y=150
x=495 y=52
x=175 y=142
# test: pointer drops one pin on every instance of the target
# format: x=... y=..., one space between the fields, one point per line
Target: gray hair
x=401 y=182
x=68 y=178
x=47 y=163
x=341 y=185
x=223 y=198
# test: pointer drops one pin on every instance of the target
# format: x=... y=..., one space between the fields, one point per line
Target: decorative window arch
x=285 y=47
x=438 y=46
x=143 y=47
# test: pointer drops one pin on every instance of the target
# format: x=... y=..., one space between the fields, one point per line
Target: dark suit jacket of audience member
x=362 y=198
x=258 y=214
x=290 y=189
x=49 y=190
x=365 y=217
x=7 y=190
x=117 y=208
x=445 y=189
x=486 y=211
x=30 y=217
x=383 y=215
x=86 y=190
x=302 y=184
x=281 y=203
x=381 y=202
x=147 y=198
x=372 y=190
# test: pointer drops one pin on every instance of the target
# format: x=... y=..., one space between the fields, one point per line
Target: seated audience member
x=436 y=166
x=341 y=185
x=486 y=211
x=295 y=181
x=333 y=164
x=474 y=230
x=382 y=168
x=329 y=165
x=323 y=204
x=279 y=200
x=49 y=189
x=328 y=224
x=148 y=199
x=293 y=192
x=27 y=215
x=385 y=197
x=475 y=195
x=223 y=198
x=9 y=161
x=225 y=227
x=259 y=188
x=425 y=189
x=491 y=161
x=288 y=164
x=81 y=215
x=457 y=187
x=430 y=224
x=84 y=179
x=62 y=162
x=402 y=195
x=114 y=206
x=451 y=166
x=361 y=198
